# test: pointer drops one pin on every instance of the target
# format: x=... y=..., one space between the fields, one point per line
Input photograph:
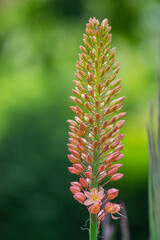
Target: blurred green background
x=39 y=46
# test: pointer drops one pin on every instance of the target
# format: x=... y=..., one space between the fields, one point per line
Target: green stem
x=93 y=217
x=93 y=227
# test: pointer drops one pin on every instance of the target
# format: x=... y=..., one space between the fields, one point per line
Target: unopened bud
x=105 y=123
x=78 y=167
x=84 y=183
x=83 y=49
x=95 y=130
x=102 y=72
x=117 y=177
x=89 y=159
x=73 y=109
x=81 y=141
x=95 y=208
x=74 y=159
x=101 y=168
x=91 y=121
x=75 y=153
x=80 y=197
x=105 y=148
x=87 y=105
x=97 y=117
x=72 y=123
x=112 y=193
x=75 y=189
x=102 y=140
x=112 y=172
x=73 y=170
x=89 y=175
x=95 y=144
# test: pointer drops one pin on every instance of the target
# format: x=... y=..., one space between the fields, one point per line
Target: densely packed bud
x=95 y=139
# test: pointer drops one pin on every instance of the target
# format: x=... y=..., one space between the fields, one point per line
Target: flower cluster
x=95 y=138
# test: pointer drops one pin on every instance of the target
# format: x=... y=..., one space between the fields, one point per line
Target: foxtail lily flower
x=95 y=137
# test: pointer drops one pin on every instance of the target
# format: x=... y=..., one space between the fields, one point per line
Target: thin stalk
x=93 y=217
x=93 y=227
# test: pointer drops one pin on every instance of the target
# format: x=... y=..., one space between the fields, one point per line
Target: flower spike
x=95 y=138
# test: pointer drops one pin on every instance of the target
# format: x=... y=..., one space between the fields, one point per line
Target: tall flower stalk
x=95 y=138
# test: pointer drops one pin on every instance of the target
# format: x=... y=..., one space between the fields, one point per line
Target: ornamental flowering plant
x=95 y=138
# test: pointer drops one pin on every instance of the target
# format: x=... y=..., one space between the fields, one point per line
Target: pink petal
x=87 y=194
x=88 y=202
x=115 y=218
x=101 y=194
x=94 y=191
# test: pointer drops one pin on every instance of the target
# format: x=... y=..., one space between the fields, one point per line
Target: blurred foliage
x=39 y=42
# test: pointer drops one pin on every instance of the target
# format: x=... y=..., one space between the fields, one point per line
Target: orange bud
x=73 y=109
x=75 y=153
x=72 y=135
x=112 y=157
x=76 y=100
x=76 y=184
x=73 y=170
x=118 y=158
x=75 y=130
x=101 y=43
x=74 y=159
x=80 y=148
x=96 y=63
x=83 y=49
x=109 y=134
x=84 y=183
x=105 y=123
x=102 y=140
x=103 y=59
x=112 y=120
x=72 y=141
x=95 y=130
x=96 y=103
x=107 y=111
x=115 y=144
x=120 y=123
x=95 y=144
x=102 y=72
x=80 y=197
x=79 y=110
x=89 y=175
x=91 y=121
x=105 y=148
x=86 y=97
x=112 y=208
x=112 y=193
x=119 y=148
x=72 y=123
x=117 y=177
x=91 y=93
x=97 y=117
x=118 y=165
x=87 y=105
x=112 y=172
x=120 y=115
x=101 y=168
x=95 y=208
x=89 y=159
x=75 y=189
x=71 y=146
x=78 y=167
x=82 y=141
